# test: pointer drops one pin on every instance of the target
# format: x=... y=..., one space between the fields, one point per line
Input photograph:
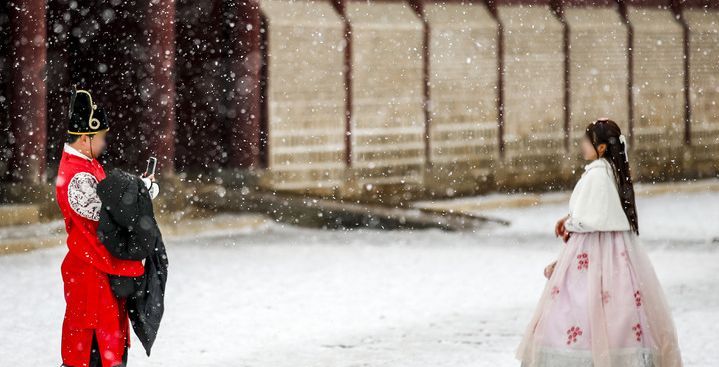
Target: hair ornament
x=623 y=140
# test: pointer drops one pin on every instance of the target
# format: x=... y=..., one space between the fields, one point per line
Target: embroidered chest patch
x=82 y=196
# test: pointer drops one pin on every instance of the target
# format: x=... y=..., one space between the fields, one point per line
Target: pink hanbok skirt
x=602 y=307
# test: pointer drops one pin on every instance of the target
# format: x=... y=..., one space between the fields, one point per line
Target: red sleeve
x=89 y=248
x=84 y=209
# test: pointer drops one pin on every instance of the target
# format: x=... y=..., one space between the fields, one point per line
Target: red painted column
x=492 y=7
x=27 y=90
x=676 y=7
x=246 y=65
x=630 y=68
x=160 y=115
x=341 y=6
x=418 y=7
x=58 y=80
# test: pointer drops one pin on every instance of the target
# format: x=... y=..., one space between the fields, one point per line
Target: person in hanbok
x=95 y=326
x=602 y=305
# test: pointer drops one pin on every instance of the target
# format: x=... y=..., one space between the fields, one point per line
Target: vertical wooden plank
x=305 y=94
x=703 y=23
x=387 y=93
x=463 y=84
x=599 y=68
x=533 y=57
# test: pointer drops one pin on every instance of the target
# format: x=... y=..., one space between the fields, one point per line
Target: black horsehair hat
x=85 y=116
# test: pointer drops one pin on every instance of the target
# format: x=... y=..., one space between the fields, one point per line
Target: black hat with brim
x=85 y=117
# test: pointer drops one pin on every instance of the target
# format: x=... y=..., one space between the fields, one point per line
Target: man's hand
x=152 y=186
x=549 y=270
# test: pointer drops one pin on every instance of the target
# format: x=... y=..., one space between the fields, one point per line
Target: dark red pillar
x=245 y=104
x=418 y=7
x=160 y=114
x=58 y=81
x=27 y=108
x=341 y=7
x=492 y=7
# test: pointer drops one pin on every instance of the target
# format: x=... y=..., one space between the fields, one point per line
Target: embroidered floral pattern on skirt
x=602 y=307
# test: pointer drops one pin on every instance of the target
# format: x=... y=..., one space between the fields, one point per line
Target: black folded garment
x=129 y=231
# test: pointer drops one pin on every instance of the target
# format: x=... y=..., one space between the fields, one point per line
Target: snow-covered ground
x=285 y=296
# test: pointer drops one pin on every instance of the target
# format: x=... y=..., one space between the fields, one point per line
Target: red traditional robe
x=91 y=305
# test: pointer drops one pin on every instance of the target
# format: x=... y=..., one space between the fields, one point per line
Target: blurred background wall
x=363 y=99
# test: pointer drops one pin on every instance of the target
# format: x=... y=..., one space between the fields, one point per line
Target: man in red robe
x=95 y=327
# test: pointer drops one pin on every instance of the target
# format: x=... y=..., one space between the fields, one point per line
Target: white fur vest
x=595 y=204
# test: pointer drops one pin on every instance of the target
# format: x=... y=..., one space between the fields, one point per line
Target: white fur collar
x=599 y=162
